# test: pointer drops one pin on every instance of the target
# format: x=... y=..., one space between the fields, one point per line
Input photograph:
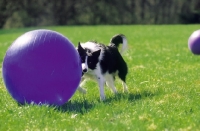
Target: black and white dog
x=102 y=63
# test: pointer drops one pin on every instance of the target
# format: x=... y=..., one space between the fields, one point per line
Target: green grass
x=163 y=81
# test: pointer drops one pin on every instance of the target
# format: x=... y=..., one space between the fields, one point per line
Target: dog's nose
x=84 y=70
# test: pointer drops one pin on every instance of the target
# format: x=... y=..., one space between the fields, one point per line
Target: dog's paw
x=82 y=90
x=126 y=91
x=102 y=98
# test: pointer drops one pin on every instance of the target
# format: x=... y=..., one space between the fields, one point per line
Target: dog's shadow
x=85 y=106
x=76 y=106
x=123 y=96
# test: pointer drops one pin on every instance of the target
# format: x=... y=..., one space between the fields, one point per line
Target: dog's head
x=89 y=58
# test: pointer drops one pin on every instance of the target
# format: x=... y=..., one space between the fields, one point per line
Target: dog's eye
x=82 y=59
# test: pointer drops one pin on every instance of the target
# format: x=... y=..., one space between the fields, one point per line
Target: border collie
x=102 y=63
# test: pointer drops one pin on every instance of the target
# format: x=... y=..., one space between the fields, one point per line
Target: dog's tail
x=119 y=39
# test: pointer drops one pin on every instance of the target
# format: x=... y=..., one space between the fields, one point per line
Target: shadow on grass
x=76 y=106
x=123 y=96
x=85 y=106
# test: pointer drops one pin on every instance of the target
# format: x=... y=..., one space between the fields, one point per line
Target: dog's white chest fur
x=93 y=74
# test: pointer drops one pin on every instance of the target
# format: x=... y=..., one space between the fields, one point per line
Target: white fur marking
x=124 y=44
x=90 y=45
x=85 y=65
x=93 y=47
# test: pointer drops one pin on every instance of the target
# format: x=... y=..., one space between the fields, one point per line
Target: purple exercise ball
x=42 y=67
x=194 y=42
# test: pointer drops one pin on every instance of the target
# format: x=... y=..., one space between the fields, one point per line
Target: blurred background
x=29 y=13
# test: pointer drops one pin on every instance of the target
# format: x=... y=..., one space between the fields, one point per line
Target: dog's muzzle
x=84 y=70
x=84 y=67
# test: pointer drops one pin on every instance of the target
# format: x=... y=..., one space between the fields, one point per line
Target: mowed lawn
x=163 y=81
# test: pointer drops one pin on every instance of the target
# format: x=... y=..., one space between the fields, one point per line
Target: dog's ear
x=80 y=48
x=96 y=53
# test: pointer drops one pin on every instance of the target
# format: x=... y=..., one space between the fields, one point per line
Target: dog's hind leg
x=125 y=86
x=110 y=83
x=122 y=76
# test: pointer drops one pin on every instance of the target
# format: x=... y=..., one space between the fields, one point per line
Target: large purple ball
x=194 y=42
x=42 y=67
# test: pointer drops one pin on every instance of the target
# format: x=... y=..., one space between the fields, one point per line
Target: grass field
x=163 y=81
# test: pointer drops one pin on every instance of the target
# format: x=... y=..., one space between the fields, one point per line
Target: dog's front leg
x=82 y=90
x=101 y=82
